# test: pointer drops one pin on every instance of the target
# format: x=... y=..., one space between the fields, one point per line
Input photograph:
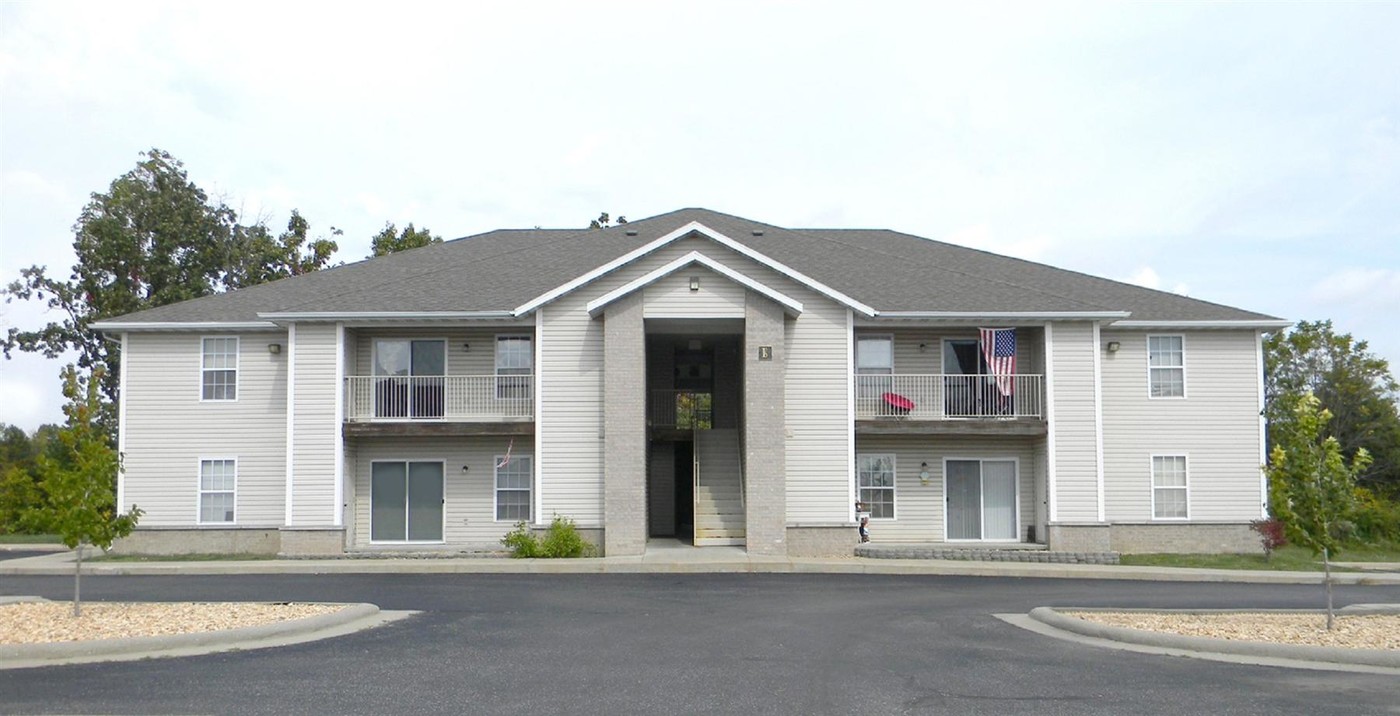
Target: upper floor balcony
x=949 y=397
x=461 y=398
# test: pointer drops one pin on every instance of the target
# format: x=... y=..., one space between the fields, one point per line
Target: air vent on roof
x=631 y=232
x=758 y=232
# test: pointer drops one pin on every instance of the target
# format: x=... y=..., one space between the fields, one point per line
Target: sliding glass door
x=409 y=378
x=981 y=499
x=406 y=501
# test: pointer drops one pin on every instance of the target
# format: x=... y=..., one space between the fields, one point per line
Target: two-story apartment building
x=692 y=375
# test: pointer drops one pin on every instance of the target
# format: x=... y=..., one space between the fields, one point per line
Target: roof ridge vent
x=757 y=232
x=631 y=232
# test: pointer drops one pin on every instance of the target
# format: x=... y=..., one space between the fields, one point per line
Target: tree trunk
x=1327 y=578
x=77 y=583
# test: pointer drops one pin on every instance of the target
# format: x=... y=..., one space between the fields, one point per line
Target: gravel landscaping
x=48 y=622
x=1355 y=631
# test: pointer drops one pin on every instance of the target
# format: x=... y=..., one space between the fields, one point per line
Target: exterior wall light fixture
x=695 y=283
x=1113 y=346
x=923 y=472
x=274 y=348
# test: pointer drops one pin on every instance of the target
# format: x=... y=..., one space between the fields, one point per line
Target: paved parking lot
x=704 y=643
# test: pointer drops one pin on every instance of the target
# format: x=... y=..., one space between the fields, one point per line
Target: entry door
x=406 y=501
x=982 y=500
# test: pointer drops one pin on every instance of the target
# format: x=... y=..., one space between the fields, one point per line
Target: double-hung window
x=219 y=369
x=876 y=487
x=1166 y=366
x=217 y=481
x=1169 y=494
x=515 y=363
x=513 y=478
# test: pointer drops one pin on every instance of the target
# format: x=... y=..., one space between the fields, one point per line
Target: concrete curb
x=62 y=565
x=1254 y=649
x=27 y=655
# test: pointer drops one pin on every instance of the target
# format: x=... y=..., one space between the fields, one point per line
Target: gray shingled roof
x=501 y=270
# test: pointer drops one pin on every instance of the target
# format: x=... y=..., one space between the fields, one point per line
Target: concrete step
x=730 y=507
x=720 y=541
x=720 y=522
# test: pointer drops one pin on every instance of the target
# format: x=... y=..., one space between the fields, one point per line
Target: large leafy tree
x=1354 y=385
x=391 y=240
x=256 y=256
x=151 y=239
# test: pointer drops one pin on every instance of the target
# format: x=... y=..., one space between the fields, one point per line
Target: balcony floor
x=969 y=426
x=438 y=428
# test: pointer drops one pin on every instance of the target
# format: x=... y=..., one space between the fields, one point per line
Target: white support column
x=1050 y=420
x=291 y=415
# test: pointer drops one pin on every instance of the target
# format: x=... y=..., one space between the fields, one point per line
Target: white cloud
x=1146 y=277
x=1359 y=287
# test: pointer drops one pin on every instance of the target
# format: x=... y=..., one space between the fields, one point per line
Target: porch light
x=274 y=348
x=466 y=347
x=695 y=283
x=1113 y=346
x=923 y=472
x=923 y=347
x=465 y=468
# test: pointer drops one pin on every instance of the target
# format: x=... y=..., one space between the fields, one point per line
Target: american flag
x=999 y=348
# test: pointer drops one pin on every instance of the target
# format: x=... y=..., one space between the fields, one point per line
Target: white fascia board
x=721 y=239
x=385 y=315
x=792 y=305
x=1252 y=324
x=1003 y=315
x=113 y=326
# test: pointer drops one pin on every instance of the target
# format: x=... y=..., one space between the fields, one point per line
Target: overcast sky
x=1247 y=154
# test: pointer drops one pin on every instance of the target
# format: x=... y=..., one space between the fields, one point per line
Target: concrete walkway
x=680 y=559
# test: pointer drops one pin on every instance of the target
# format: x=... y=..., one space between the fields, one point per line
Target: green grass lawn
x=29 y=539
x=235 y=557
x=1290 y=558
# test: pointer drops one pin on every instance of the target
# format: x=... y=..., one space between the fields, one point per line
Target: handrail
x=949 y=396
x=439 y=397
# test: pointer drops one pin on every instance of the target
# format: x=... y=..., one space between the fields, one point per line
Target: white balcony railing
x=448 y=398
x=948 y=397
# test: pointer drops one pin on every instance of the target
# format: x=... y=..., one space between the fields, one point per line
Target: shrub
x=560 y=540
x=1270 y=534
x=522 y=544
x=1375 y=517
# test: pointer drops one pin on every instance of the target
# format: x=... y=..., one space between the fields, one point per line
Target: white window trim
x=894 y=483
x=200 y=492
x=374 y=360
x=496 y=489
x=370 y=496
x=981 y=498
x=237 y=370
x=1152 y=485
x=1147 y=342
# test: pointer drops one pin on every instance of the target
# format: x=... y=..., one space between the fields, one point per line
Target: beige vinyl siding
x=818 y=419
x=1216 y=426
x=571 y=378
x=671 y=297
x=169 y=430
x=470 y=351
x=919 y=508
x=469 y=498
x=1075 y=429
x=315 y=437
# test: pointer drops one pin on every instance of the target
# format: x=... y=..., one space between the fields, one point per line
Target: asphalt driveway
x=723 y=643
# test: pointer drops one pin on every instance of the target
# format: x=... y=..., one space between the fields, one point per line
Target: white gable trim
x=721 y=239
x=793 y=306
x=1261 y=324
x=128 y=326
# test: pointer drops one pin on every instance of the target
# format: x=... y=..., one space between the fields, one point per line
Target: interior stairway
x=719 y=506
